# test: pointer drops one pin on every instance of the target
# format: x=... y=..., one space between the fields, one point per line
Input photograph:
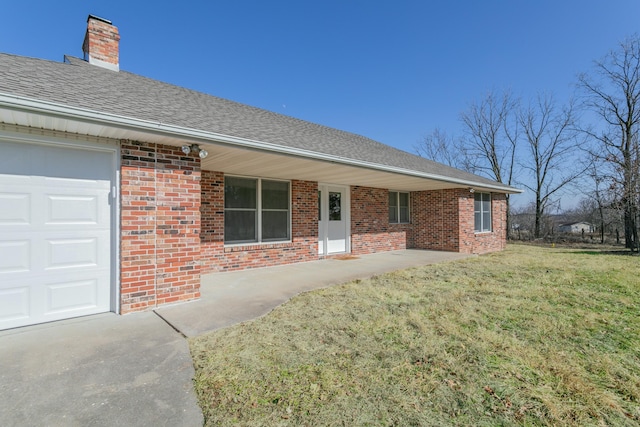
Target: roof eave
x=51 y=109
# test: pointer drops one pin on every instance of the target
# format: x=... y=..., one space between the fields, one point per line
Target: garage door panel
x=55 y=234
x=15 y=208
x=53 y=295
x=69 y=297
x=71 y=210
x=55 y=161
x=14 y=305
x=72 y=253
x=15 y=256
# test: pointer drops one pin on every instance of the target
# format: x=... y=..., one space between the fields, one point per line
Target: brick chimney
x=101 y=43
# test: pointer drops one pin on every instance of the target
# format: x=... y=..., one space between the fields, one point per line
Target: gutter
x=30 y=105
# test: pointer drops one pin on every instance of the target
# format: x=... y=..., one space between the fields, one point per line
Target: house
x=576 y=227
x=118 y=191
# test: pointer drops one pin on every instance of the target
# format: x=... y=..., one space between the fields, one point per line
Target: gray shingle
x=76 y=83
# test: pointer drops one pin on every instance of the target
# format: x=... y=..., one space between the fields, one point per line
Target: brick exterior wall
x=435 y=220
x=481 y=243
x=160 y=226
x=370 y=228
x=304 y=230
x=211 y=208
x=443 y=220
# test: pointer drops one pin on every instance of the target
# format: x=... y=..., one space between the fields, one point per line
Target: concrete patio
x=233 y=297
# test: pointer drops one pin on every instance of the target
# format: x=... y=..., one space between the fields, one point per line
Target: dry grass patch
x=530 y=336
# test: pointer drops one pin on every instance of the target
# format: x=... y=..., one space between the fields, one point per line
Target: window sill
x=483 y=232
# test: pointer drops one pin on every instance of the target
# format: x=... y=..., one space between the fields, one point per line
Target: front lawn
x=529 y=336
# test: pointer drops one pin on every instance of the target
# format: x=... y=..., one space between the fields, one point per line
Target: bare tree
x=440 y=147
x=491 y=139
x=613 y=94
x=600 y=199
x=550 y=139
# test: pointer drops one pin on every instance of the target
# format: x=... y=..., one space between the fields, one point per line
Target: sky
x=389 y=70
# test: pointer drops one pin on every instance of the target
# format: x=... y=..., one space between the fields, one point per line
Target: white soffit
x=236 y=161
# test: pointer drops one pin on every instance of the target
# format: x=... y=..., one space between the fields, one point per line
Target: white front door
x=55 y=232
x=333 y=223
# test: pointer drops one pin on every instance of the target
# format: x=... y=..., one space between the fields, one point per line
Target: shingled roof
x=78 y=84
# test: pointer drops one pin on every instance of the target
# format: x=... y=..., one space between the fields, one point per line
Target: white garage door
x=55 y=233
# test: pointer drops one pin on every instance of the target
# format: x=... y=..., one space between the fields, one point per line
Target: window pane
x=335 y=209
x=478 y=221
x=393 y=199
x=403 y=202
x=393 y=206
x=482 y=212
x=393 y=214
x=240 y=193
x=319 y=206
x=275 y=225
x=404 y=214
x=240 y=226
x=404 y=199
x=486 y=221
x=486 y=205
x=275 y=195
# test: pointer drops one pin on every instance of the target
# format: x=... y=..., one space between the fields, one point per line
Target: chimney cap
x=99 y=19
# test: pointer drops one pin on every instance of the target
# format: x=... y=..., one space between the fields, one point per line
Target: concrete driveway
x=136 y=370
x=103 y=370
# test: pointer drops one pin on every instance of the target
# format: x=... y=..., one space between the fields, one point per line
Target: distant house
x=118 y=191
x=577 y=227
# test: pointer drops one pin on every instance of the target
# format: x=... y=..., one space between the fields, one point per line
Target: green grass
x=530 y=336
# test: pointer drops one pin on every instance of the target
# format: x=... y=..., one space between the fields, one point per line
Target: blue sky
x=389 y=70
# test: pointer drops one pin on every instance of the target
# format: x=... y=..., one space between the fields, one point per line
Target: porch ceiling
x=234 y=161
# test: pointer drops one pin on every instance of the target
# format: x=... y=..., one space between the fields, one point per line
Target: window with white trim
x=398 y=207
x=482 y=212
x=256 y=210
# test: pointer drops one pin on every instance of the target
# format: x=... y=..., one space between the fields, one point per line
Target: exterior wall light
x=472 y=190
x=202 y=153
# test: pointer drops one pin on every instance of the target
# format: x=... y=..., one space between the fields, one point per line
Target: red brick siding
x=443 y=220
x=212 y=207
x=304 y=230
x=370 y=228
x=435 y=220
x=480 y=243
x=160 y=225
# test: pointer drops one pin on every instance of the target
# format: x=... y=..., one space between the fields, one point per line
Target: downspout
x=155 y=224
